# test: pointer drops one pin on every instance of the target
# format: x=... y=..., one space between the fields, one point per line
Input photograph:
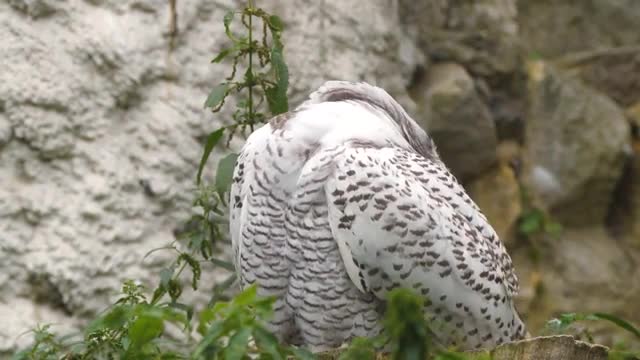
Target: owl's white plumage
x=345 y=198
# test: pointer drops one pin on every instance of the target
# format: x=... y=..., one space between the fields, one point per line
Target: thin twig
x=582 y=57
x=173 y=23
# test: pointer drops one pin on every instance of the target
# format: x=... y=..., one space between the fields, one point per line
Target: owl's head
x=373 y=96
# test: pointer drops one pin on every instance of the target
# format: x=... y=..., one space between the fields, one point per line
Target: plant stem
x=250 y=6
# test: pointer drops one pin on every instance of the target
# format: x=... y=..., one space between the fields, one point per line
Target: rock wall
x=101 y=129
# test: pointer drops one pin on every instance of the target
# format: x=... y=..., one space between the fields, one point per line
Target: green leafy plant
x=260 y=92
x=264 y=80
x=134 y=327
x=533 y=220
x=131 y=328
x=359 y=349
x=563 y=323
x=226 y=329
x=45 y=345
x=408 y=333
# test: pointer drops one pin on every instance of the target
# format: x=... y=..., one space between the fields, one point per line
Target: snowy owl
x=343 y=199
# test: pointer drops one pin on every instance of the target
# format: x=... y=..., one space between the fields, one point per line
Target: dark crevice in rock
x=44 y=291
x=34 y=9
x=508 y=105
x=620 y=212
x=417 y=77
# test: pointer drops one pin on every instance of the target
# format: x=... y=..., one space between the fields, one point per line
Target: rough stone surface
x=482 y=35
x=457 y=119
x=577 y=141
x=554 y=28
x=614 y=271
x=615 y=72
x=101 y=123
x=35 y=8
x=566 y=276
x=581 y=37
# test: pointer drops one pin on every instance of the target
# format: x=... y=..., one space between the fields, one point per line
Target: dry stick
x=582 y=57
x=173 y=22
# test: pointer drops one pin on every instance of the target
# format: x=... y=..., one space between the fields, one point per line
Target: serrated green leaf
x=174 y=289
x=222 y=55
x=223 y=264
x=619 y=322
x=247 y=296
x=206 y=316
x=263 y=306
x=248 y=76
x=175 y=312
x=114 y=319
x=165 y=275
x=212 y=140
x=302 y=354
x=275 y=23
x=144 y=329
x=196 y=240
x=224 y=174
x=448 y=355
x=158 y=293
x=531 y=222
x=220 y=288
x=563 y=321
x=210 y=337
x=237 y=346
x=360 y=348
x=553 y=325
x=188 y=309
x=408 y=333
x=277 y=95
x=267 y=342
x=22 y=355
x=195 y=268
x=228 y=18
x=552 y=228
x=216 y=95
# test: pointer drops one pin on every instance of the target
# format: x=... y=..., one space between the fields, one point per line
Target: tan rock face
x=458 y=121
x=607 y=277
x=497 y=193
x=577 y=140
